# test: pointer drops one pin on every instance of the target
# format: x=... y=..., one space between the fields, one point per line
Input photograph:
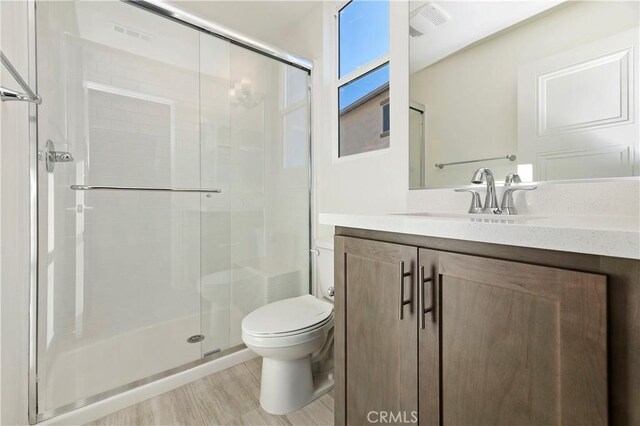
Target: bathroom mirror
x=547 y=89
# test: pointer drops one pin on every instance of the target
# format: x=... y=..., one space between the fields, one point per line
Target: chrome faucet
x=491 y=200
x=507 y=205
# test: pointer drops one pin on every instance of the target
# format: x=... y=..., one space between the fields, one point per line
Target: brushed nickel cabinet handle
x=403 y=302
x=423 y=310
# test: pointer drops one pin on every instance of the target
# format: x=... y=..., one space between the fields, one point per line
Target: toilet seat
x=287 y=322
x=290 y=333
x=287 y=317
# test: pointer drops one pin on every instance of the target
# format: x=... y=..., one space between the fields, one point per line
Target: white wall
x=368 y=183
x=1 y=215
x=373 y=182
x=266 y=21
x=1 y=310
x=14 y=223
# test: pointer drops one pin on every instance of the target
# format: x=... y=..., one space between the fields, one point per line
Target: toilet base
x=287 y=385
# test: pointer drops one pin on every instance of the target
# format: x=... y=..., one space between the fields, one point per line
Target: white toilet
x=285 y=334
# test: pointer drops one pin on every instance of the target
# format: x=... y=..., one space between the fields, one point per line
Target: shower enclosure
x=173 y=188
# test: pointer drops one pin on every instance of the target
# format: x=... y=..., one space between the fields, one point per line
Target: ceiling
x=465 y=23
x=266 y=21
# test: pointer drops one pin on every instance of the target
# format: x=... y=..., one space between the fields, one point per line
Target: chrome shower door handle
x=50 y=156
x=62 y=157
x=423 y=311
x=403 y=302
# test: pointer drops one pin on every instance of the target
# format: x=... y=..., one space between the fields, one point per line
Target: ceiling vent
x=131 y=32
x=414 y=33
x=434 y=14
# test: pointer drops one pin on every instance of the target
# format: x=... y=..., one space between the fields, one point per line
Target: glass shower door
x=215 y=215
x=121 y=270
x=257 y=150
x=134 y=280
x=268 y=147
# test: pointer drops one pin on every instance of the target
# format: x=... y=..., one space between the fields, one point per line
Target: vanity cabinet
x=511 y=343
x=460 y=338
x=380 y=340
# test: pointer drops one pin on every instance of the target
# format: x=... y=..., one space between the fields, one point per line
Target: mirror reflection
x=544 y=89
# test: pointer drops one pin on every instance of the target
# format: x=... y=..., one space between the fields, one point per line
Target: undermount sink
x=475 y=216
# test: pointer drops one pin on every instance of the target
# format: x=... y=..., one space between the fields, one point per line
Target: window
x=363 y=34
x=385 y=118
x=363 y=77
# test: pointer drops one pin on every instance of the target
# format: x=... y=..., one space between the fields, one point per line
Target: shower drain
x=195 y=338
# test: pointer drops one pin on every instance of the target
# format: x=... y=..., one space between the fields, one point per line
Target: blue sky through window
x=364 y=37
x=360 y=87
x=364 y=33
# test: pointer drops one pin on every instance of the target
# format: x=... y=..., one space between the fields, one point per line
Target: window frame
x=339 y=82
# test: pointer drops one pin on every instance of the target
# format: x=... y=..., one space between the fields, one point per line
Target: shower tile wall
x=127 y=277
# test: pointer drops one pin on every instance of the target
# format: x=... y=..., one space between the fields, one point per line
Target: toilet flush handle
x=331 y=291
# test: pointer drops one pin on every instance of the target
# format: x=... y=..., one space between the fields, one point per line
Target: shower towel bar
x=141 y=188
x=510 y=157
x=12 y=95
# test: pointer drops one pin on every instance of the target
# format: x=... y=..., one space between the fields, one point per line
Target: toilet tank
x=324 y=269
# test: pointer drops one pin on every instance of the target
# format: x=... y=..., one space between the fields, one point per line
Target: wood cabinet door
x=376 y=350
x=510 y=343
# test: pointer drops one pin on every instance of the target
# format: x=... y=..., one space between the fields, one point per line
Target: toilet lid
x=287 y=315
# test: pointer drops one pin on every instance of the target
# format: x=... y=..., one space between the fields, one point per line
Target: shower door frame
x=35 y=228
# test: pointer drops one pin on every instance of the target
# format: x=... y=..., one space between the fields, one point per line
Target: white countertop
x=616 y=236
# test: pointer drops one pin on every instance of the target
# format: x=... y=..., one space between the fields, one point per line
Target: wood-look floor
x=229 y=397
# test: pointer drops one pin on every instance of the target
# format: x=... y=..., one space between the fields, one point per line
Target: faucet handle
x=512 y=178
x=507 y=205
x=476 y=204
